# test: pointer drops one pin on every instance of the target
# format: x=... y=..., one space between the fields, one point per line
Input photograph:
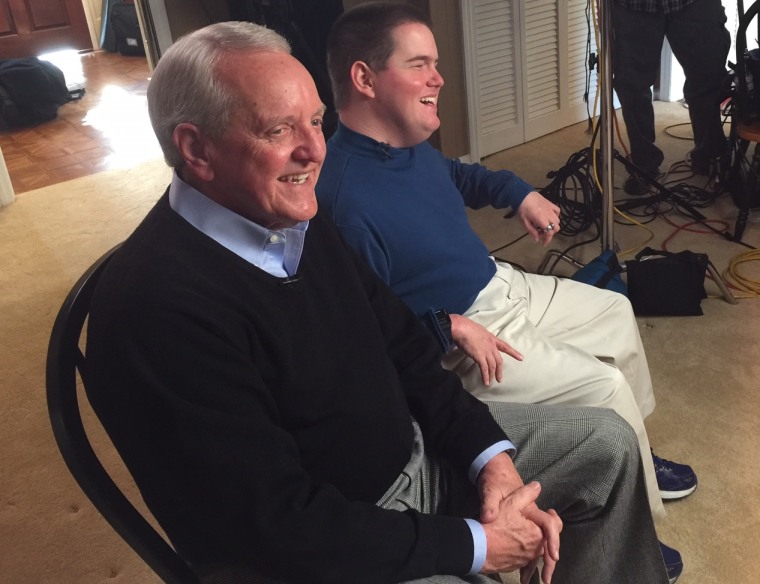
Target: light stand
x=606 y=125
x=607 y=153
x=605 y=128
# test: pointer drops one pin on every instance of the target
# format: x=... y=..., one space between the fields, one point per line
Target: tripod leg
x=663 y=192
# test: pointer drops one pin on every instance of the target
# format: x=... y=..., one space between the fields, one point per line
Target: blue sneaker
x=673 y=562
x=675 y=480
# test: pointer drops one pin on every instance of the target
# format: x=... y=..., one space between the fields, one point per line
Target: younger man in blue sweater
x=400 y=204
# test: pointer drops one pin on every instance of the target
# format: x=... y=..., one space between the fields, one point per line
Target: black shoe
x=636 y=186
x=716 y=168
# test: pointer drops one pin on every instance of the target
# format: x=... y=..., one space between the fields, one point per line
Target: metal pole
x=606 y=125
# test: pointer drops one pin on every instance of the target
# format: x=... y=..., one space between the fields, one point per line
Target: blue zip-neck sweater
x=403 y=210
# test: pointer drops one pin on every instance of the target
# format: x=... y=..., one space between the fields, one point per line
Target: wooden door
x=31 y=27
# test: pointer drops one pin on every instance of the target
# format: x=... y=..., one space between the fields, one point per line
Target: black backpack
x=31 y=91
x=126 y=28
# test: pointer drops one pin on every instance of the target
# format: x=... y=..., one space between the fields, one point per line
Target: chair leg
x=557 y=255
x=743 y=179
x=749 y=187
x=741 y=224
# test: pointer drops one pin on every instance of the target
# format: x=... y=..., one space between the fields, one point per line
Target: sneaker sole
x=671 y=495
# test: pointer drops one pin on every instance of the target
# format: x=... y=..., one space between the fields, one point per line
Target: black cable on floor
x=574 y=190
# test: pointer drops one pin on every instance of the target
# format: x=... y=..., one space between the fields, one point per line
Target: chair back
x=66 y=359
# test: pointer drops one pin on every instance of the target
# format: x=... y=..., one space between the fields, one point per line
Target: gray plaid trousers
x=589 y=467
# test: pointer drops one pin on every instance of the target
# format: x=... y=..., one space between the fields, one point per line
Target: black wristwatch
x=439 y=322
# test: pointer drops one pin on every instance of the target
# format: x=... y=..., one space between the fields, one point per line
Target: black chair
x=65 y=359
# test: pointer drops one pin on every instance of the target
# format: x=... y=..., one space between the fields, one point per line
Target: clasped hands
x=518 y=533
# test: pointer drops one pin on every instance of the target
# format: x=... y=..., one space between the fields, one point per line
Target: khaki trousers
x=581 y=346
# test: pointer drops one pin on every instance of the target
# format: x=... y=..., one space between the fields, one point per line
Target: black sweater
x=262 y=420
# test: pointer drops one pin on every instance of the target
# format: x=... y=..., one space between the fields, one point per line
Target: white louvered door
x=493 y=62
x=544 y=73
x=525 y=63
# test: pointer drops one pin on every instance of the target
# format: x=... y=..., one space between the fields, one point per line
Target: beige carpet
x=706 y=372
x=49 y=532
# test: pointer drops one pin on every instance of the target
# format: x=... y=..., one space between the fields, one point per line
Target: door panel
x=32 y=27
x=494 y=70
x=526 y=69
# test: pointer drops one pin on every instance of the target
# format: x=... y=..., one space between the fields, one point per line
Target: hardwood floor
x=108 y=128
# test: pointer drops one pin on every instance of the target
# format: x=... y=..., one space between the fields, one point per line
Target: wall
x=93 y=10
x=452 y=137
x=7 y=195
x=188 y=15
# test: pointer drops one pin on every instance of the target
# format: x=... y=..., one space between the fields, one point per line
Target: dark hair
x=365 y=33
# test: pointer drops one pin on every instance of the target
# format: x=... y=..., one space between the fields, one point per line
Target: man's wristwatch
x=443 y=320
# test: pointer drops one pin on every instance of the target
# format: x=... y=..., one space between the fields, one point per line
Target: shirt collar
x=250 y=241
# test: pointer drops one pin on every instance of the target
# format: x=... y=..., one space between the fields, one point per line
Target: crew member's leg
x=700 y=41
x=637 y=45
